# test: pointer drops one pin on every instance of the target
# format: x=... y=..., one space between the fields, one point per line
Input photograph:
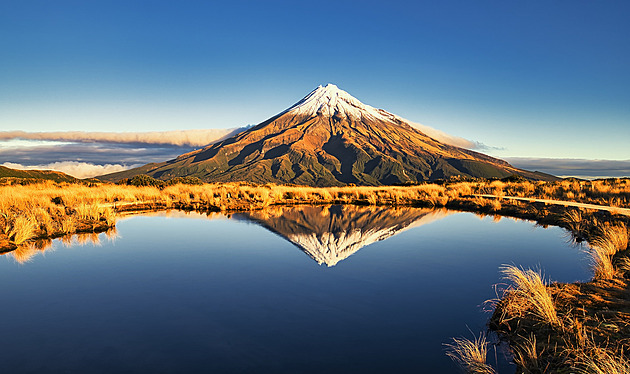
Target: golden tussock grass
x=526 y=355
x=574 y=221
x=609 y=240
x=68 y=225
x=470 y=355
x=528 y=294
x=21 y=229
x=611 y=192
x=591 y=337
x=601 y=262
x=601 y=361
x=613 y=236
x=88 y=211
x=44 y=219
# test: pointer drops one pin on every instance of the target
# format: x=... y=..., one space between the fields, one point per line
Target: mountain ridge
x=55 y=176
x=330 y=138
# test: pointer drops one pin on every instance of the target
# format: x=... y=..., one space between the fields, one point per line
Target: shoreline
x=49 y=211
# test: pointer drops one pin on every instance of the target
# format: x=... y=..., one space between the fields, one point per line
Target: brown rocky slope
x=330 y=138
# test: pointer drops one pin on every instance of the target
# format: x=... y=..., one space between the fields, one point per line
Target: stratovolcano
x=330 y=138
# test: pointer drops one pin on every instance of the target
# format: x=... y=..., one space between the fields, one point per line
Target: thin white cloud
x=192 y=138
x=444 y=137
x=457 y=141
x=73 y=168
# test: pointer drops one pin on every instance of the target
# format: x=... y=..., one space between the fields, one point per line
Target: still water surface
x=293 y=290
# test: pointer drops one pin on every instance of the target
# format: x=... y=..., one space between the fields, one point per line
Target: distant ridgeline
x=8 y=175
x=329 y=138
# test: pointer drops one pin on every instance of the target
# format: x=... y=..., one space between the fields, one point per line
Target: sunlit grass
x=603 y=247
x=574 y=222
x=529 y=294
x=601 y=262
x=470 y=355
x=22 y=228
x=614 y=237
x=88 y=211
x=526 y=355
x=600 y=361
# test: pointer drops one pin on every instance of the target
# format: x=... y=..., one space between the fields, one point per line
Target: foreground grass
x=470 y=355
x=529 y=294
x=572 y=328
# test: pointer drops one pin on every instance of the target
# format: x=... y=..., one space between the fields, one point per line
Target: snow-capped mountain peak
x=330 y=100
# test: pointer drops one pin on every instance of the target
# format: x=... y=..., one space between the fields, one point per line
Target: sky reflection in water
x=171 y=294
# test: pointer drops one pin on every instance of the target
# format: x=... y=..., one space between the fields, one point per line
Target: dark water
x=188 y=294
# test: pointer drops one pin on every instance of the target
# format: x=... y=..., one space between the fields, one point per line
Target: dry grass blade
x=22 y=229
x=613 y=238
x=470 y=355
x=599 y=361
x=528 y=285
x=609 y=241
x=623 y=264
x=88 y=211
x=574 y=220
x=604 y=245
x=526 y=355
x=601 y=262
x=109 y=216
x=68 y=225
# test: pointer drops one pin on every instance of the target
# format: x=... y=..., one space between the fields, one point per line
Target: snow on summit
x=330 y=100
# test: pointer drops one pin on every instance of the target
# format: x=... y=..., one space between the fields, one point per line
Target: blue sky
x=533 y=79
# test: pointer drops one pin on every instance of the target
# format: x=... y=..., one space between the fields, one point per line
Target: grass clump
x=613 y=238
x=601 y=262
x=527 y=355
x=22 y=229
x=88 y=211
x=604 y=246
x=600 y=361
x=470 y=355
x=68 y=225
x=575 y=222
x=529 y=294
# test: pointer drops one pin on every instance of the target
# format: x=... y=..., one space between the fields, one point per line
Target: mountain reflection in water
x=329 y=234
x=176 y=291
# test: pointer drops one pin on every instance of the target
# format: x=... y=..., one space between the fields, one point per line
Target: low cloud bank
x=574 y=167
x=190 y=138
x=73 y=168
x=91 y=153
x=451 y=139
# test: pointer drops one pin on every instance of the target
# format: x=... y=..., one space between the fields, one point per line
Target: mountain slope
x=329 y=138
x=57 y=176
